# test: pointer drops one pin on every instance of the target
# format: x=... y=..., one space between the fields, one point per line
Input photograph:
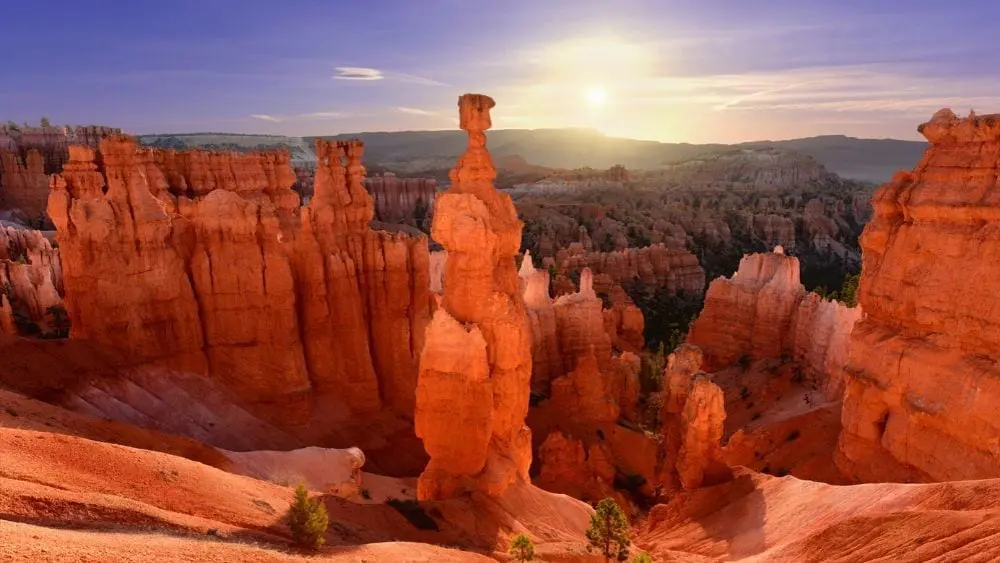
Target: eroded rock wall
x=29 y=154
x=409 y=201
x=922 y=383
x=30 y=284
x=205 y=263
x=655 y=266
x=763 y=311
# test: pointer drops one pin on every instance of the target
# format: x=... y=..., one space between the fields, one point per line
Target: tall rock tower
x=475 y=368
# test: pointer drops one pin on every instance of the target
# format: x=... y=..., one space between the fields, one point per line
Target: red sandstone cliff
x=29 y=154
x=475 y=368
x=763 y=311
x=922 y=379
x=203 y=262
x=656 y=265
x=751 y=312
x=572 y=340
x=408 y=201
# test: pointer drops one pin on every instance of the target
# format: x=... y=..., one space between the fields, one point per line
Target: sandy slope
x=763 y=518
x=27 y=543
x=108 y=493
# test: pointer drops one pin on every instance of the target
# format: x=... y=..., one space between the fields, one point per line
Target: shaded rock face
x=475 y=368
x=204 y=262
x=569 y=467
x=922 y=384
x=29 y=154
x=23 y=182
x=763 y=311
x=408 y=201
x=30 y=283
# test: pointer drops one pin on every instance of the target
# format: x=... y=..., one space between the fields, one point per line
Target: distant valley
x=411 y=152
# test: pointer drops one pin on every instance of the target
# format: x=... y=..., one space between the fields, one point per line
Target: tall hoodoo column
x=475 y=368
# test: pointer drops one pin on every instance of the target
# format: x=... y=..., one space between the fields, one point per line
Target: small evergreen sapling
x=308 y=520
x=608 y=531
x=522 y=548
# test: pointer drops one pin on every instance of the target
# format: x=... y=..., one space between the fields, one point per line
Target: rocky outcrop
x=475 y=368
x=409 y=201
x=335 y=471
x=774 y=230
x=30 y=284
x=570 y=468
x=692 y=417
x=763 y=311
x=203 y=262
x=572 y=354
x=922 y=383
x=24 y=185
x=624 y=322
x=656 y=266
x=751 y=312
x=821 y=332
x=29 y=154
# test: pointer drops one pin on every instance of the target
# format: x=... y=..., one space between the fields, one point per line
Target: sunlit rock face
x=475 y=368
x=922 y=381
x=763 y=311
x=204 y=262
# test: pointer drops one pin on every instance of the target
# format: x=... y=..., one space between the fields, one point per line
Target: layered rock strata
x=204 y=262
x=572 y=340
x=409 y=201
x=763 y=311
x=656 y=266
x=922 y=383
x=475 y=368
x=30 y=283
x=29 y=154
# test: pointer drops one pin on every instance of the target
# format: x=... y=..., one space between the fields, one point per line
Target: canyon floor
x=68 y=497
x=71 y=491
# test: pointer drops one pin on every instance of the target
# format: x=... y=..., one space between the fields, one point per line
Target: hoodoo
x=475 y=368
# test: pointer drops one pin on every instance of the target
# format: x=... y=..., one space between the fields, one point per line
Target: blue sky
x=671 y=70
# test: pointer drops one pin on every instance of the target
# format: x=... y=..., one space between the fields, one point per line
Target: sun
x=596 y=97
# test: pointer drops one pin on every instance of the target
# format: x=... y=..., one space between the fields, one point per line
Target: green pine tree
x=608 y=530
x=308 y=520
x=642 y=557
x=522 y=548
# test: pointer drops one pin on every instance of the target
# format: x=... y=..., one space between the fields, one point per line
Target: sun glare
x=596 y=97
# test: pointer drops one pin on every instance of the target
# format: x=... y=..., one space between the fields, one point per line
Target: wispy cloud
x=325 y=115
x=747 y=97
x=264 y=117
x=414 y=111
x=370 y=74
x=414 y=79
x=357 y=73
x=301 y=116
x=860 y=88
